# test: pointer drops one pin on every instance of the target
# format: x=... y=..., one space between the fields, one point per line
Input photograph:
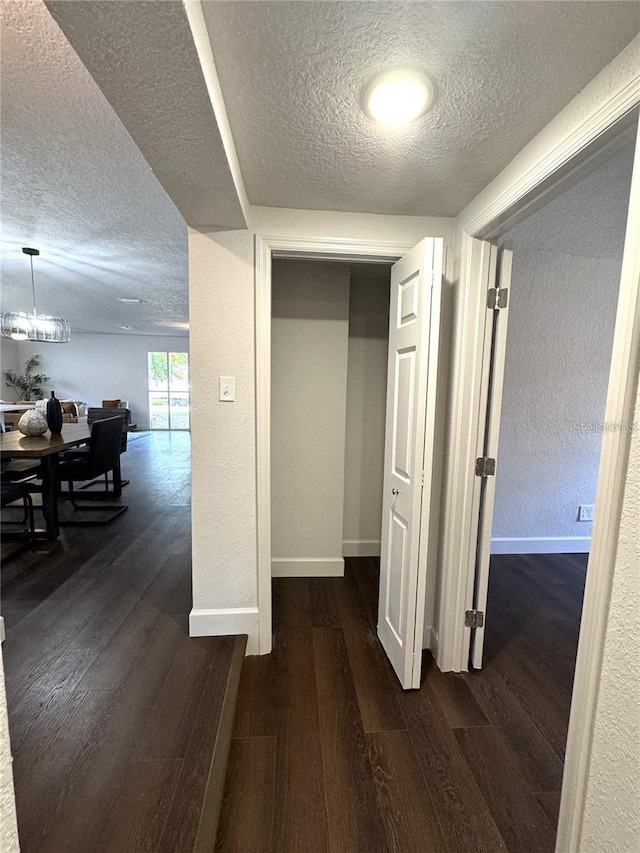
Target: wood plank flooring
x=113 y=709
x=329 y=754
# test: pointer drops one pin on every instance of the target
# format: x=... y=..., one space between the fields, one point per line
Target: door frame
x=299 y=248
x=562 y=160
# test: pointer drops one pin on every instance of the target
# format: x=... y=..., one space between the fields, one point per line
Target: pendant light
x=34 y=327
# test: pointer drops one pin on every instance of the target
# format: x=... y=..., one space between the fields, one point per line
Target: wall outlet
x=585 y=512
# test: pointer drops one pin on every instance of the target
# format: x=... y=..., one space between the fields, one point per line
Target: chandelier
x=34 y=327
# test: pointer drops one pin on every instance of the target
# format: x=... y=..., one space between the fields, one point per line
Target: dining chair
x=101 y=458
x=12 y=493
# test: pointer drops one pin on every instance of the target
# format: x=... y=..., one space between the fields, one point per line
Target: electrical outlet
x=585 y=512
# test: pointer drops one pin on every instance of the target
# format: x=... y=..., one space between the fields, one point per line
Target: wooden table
x=14 y=445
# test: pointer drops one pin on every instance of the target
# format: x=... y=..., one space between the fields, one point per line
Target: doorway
x=616 y=445
x=410 y=440
x=330 y=329
x=168 y=390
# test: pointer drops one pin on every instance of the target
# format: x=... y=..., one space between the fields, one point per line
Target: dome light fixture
x=34 y=327
x=398 y=97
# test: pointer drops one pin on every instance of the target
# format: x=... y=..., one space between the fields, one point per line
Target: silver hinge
x=473 y=619
x=485 y=466
x=497 y=297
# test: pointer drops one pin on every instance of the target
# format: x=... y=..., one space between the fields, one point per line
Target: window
x=168 y=379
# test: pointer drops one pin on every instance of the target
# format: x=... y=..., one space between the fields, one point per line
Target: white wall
x=93 y=368
x=9 y=360
x=566 y=275
x=612 y=814
x=221 y=298
x=8 y=822
x=309 y=342
x=366 y=408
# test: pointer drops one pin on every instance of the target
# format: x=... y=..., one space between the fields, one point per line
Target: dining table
x=47 y=448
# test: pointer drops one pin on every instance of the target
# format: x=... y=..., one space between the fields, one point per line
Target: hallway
x=329 y=754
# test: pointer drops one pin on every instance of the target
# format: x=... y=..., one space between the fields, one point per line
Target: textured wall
x=566 y=276
x=309 y=341
x=9 y=360
x=612 y=815
x=366 y=407
x=8 y=825
x=557 y=371
x=93 y=368
x=223 y=434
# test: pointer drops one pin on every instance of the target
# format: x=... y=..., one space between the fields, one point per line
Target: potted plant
x=28 y=385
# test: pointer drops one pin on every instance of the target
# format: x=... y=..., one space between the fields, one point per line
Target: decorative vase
x=54 y=415
x=32 y=423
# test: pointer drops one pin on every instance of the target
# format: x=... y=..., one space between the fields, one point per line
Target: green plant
x=28 y=385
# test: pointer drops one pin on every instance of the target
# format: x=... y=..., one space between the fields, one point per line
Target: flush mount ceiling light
x=398 y=97
x=130 y=301
x=34 y=327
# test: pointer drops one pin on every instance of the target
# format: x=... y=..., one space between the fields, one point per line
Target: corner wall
x=366 y=409
x=309 y=342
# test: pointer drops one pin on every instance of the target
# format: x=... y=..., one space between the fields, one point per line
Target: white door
x=487 y=449
x=414 y=333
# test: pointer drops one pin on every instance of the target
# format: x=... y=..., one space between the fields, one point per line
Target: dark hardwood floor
x=113 y=710
x=329 y=754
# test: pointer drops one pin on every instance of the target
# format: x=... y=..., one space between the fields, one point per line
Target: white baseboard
x=295 y=567
x=221 y=623
x=361 y=548
x=542 y=545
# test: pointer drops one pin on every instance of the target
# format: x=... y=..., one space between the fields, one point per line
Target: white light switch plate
x=227 y=389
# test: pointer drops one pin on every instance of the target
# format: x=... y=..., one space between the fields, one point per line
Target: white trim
x=307 y=567
x=360 y=547
x=541 y=545
x=614 y=460
x=297 y=247
x=226 y=622
x=477 y=220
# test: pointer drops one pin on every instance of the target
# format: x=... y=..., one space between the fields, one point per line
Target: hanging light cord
x=33 y=288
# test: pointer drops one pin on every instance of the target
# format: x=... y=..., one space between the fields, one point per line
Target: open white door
x=493 y=381
x=414 y=334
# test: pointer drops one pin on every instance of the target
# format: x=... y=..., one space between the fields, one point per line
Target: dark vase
x=54 y=415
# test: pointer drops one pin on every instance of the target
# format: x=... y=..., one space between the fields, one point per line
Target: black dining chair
x=12 y=493
x=101 y=458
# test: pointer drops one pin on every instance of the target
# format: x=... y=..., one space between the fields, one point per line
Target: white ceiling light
x=398 y=97
x=130 y=301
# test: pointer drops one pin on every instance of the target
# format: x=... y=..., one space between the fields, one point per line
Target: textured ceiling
x=292 y=74
x=142 y=55
x=587 y=221
x=75 y=186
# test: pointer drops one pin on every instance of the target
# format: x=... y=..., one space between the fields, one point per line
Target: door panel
x=414 y=325
x=498 y=318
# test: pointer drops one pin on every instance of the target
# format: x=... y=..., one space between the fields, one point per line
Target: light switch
x=227 y=389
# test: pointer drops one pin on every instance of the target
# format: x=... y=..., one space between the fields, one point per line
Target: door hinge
x=485 y=466
x=497 y=297
x=473 y=619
